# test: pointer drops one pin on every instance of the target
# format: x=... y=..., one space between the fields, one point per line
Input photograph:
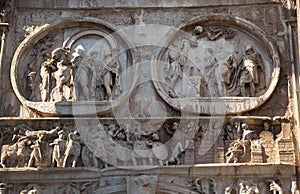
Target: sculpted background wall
x=270 y=22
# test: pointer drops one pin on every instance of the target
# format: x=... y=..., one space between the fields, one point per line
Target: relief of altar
x=216 y=66
x=73 y=64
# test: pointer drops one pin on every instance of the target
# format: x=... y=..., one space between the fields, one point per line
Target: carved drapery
x=73 y=67
x=216 y=64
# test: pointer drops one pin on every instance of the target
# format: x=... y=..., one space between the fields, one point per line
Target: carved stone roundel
x=74 y=67
x=216 y=64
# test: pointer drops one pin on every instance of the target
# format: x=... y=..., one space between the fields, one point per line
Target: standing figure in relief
x=178 y=66
x=230 y=133
x=159 y=150
x=212 y=74
x=63 y=75
x=185 y=47
x=85 y=78
x=31 y=84
x=59 y=148
x=110 y=76
x=228 y=72
x=47 y=68
x=40 y=152
x=76 y=61
x=249 y=76
x=73 y=149
x=174 y=69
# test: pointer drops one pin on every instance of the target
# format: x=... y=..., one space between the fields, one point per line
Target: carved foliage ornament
x=216 y=65
x=77 y=64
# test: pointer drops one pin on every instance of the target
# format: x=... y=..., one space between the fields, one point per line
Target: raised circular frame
x=69 y=108
x=218 y=105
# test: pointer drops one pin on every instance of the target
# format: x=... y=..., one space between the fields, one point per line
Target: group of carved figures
x=200 y=185
x=33 y=188
x=59 y=148
x=80 y=72
x=43 y=148
x=239 y=138
x=240 y=74
x=122 y=145
x=240 y=187
x=248 y=187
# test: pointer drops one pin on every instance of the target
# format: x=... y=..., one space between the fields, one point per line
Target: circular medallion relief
x=216 y=65
x=73 y=67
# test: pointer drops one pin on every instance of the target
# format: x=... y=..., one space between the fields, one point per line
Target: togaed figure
x=110 y=76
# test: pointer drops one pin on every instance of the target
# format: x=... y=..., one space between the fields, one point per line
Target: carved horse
x=15 y=154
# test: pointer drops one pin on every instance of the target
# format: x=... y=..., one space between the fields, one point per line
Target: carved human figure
x=249 y=76
x=235 y=151
x=231 y=189
x=31 y=84
x=207 y=33
x=229 y=75
x=174 y=70
x=110 y=76
x=32 y=190
x=35 y=190
x=85 y=78
x=140 y=150
x=63 y=75
x=239 y=131
x=79 y=55
x=73 y=149
x=231 y=66
x=40 y=152
x=246 y=187
x=47 y=68
x=59 y=148
x=212 y=74
x=230 y=133
x=178 y=66
x=185 y=47
x=275 y=188
x=247 y=133
x=159 y=150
